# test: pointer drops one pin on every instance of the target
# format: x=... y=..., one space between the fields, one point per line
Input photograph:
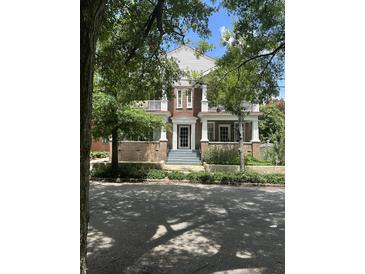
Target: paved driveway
x=152 y=228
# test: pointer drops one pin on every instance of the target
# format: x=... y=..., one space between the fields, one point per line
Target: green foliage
x=251 y=161
x=176 y=175
x=202 y=47
x=156 y=174
x=230 y=157
x=99 y=154
x=221 y=156
x=272 y=128
x=133 y=172
x=254 y=59
x=130 y=122
x=135 y=35
x=272 y=122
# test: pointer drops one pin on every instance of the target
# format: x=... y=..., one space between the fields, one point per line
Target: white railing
x=154 y=105
x=248 y=107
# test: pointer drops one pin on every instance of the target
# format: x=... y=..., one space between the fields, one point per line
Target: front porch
x=221 y=130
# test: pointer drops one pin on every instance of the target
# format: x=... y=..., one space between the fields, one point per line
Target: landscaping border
x=168 y=181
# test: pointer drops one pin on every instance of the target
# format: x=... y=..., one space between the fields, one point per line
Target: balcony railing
x=248 y=108
x=154 y=105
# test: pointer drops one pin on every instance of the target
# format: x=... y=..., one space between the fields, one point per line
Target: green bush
x=99 y=154
x=224 y=178
x=222 y=156
x=176 y=175
x=156 y=174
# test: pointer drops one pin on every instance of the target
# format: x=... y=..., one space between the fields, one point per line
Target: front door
x=184 y=140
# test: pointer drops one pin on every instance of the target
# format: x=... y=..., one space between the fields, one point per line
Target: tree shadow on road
x=139 y=228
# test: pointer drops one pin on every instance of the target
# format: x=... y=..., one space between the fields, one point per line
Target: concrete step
x=183 y=160
x=183 y=157
x=183 y=164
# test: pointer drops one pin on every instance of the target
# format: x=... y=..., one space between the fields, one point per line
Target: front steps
x=183 y=157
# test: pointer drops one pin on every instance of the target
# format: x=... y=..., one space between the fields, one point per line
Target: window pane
x=224 y=134
x=210 y=131
x=189 y=98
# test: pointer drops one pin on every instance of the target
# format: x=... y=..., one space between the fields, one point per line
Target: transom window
x=211 y=135
x=179 y=99
x=189 y=98
x=224 y=133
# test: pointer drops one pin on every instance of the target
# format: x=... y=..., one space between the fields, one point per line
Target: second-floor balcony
x=248 y=107
x=156 y=105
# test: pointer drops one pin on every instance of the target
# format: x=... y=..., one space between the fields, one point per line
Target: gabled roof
x=187 y=59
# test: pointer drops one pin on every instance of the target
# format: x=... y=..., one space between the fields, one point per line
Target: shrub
x=99 y=154
x=176 y=175
x=156 y=174
x=222 y=156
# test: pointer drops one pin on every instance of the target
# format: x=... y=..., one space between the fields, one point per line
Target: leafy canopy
x=131 y=56
x=254 y=59
x=130 y=121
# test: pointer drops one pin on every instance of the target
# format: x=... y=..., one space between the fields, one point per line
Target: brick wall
x=98 y=145
x=184 y=110
x=141 y=151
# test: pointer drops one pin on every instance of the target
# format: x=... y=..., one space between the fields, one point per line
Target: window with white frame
x=224 y=133
x=211 y=131
x=189 y=98
x=179 y=99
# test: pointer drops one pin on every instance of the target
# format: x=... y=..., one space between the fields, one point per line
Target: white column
x=192 y=136
x=204 y=105
x=164 y=101
x=255 y=131
x=204 y=130
x=163 y=136
x=174 y=136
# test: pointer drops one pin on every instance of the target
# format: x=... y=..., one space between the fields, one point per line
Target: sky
x=217 y=22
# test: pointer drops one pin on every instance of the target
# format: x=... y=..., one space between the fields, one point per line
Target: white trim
x=213 y=129
x=225 y=116
x=184 y=119
x=178 y=106
x=191 y=98
x=219 y=131
x=204 y=130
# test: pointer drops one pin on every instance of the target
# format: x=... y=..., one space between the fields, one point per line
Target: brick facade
x=142 y=151
x=99 y=145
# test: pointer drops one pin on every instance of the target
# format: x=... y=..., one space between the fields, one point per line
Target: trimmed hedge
x=194 y=177
x=99 y=154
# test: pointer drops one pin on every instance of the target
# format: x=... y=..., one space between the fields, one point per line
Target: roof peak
x=191 y=48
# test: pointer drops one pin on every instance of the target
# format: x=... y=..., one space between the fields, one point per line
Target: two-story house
x=196 y=126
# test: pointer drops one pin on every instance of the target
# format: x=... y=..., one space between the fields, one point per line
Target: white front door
x=184 y=134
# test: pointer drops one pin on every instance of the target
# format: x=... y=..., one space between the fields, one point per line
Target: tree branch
x=155 y=15
x=272 y=54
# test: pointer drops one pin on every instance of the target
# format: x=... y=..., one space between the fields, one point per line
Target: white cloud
x=222 y=29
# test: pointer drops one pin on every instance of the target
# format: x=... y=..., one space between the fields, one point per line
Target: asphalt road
x=185 y=228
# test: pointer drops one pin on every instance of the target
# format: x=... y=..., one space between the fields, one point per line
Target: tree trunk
x=242 y=151
x=115 y=144
x=91 y=12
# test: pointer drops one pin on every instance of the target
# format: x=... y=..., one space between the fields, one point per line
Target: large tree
x=254 y=59
x=91 y=14
x=140 y=28
x=110 y=117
